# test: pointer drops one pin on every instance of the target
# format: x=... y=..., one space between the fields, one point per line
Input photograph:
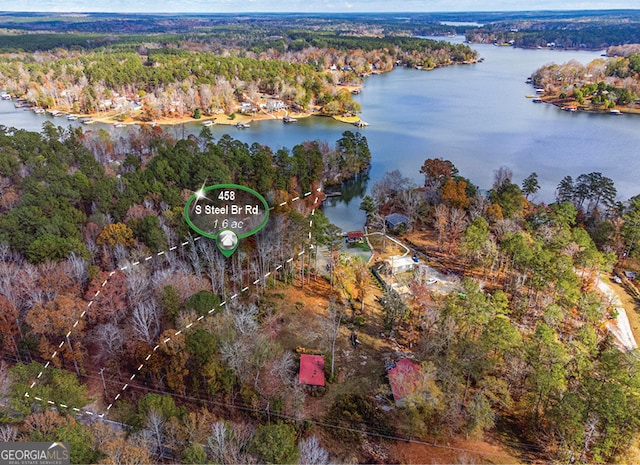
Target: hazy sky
x=329 y=6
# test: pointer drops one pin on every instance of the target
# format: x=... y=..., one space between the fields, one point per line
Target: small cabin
x=311 y=370
x=396 y=220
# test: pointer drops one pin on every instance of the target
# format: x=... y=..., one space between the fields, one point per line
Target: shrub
x=276 y=443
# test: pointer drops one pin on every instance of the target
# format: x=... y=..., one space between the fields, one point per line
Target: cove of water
x=475 y=115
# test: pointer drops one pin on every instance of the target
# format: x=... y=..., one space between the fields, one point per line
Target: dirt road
x=620 y=327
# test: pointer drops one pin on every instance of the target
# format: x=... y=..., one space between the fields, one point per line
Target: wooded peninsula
x=609 y=84
x=201 y=75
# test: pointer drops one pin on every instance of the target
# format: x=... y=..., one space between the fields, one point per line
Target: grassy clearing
x=360 y=246
x=347 y=119
x=385 y=248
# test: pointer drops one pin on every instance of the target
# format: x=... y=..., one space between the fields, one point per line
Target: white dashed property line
x=188 y=326
x=200 y=318
x=84 y=312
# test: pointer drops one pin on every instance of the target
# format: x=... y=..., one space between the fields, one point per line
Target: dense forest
x=303 y=69
x=88 y=273
x=110 y=309
x=55 y=185
x=522 y=345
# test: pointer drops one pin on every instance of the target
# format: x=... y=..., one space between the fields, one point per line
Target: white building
x=275 y=105
x=399 y=264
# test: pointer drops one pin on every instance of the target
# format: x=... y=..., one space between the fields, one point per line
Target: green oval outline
x=227 y=186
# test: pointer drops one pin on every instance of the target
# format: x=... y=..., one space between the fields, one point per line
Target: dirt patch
x=444 y=260
x=454 y=451
x=303 y=315
x=384 y=247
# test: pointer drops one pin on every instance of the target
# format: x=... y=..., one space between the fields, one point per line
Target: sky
x=328 y=6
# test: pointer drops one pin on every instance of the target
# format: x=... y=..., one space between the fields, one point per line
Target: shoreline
x=232 y=119
x=565 y=104
x=222 y=119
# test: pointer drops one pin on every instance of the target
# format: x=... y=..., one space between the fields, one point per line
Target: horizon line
x=560 y=10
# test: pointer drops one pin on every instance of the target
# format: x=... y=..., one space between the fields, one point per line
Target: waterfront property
x=395 y=221
x=355 y=237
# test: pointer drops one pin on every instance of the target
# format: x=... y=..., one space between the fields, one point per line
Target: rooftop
x=404 y=379
x=311 y=370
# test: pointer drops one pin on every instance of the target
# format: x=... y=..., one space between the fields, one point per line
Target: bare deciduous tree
x=146 y=324
x=311 y=453
x=457 y=222
x=441 y=221
x=229 y=441
x=138 y=286
x=332 y=328
x=5 y=380
x=154 y=432
x=501 y=175
x=110 y=338
x=411 y=201
x=8 y=433
x=214 y=263
x=77 y=269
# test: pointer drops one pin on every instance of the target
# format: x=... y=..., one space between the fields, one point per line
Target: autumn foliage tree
x=9 y=330
x=437 y=172
x=110 y=299
x=117 y=233
x=52 y=321
x=454 y=194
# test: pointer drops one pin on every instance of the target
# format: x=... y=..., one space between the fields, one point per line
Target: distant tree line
x=568 y=34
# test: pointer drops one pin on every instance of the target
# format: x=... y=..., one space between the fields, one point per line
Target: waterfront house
x=395 y=220
x=247 y=107
x=355 y=237
x=275 y=105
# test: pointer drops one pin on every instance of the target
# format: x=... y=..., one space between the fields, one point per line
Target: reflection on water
x=344 y=211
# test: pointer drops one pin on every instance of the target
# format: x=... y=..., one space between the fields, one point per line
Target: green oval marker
x=226 y=213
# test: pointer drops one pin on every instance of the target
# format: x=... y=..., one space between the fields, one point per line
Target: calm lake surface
x=475 y=115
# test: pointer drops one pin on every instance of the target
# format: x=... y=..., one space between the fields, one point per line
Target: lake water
x=475 y=115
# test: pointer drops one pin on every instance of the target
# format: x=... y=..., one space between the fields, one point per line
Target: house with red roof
x=354 y=237
x=311 y=370
x=405 y=380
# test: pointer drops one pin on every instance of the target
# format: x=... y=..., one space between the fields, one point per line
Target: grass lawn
x=360 y=246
